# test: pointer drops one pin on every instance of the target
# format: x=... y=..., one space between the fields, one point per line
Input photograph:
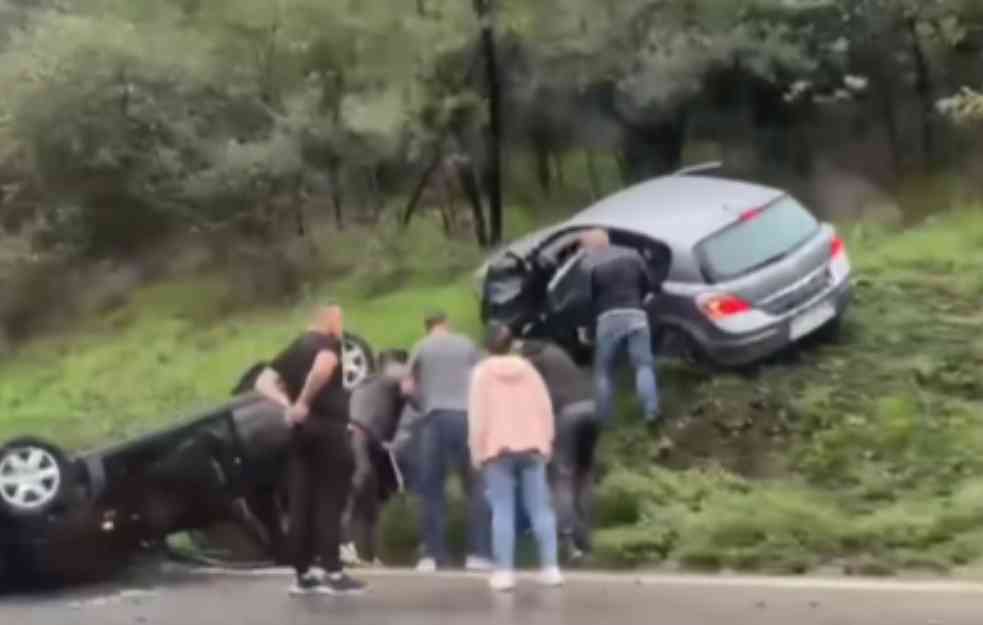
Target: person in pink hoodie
x=510 y=431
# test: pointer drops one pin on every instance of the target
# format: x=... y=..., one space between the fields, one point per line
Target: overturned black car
x=71 y=518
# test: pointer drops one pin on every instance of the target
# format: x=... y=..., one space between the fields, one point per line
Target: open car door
x=568 y=301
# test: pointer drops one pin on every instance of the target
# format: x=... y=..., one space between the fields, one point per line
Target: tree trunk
x=445 y=218
x=543 y=170
x=923 y=87
x=891 y=126
x=560 y=177
x=420 y=186
x=595 y=180
x=375 y=192
x=337 y=196
x=621 y=158
x=472 y=190
x=484 y=11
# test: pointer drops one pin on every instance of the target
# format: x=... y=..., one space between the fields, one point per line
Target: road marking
x=728 y=581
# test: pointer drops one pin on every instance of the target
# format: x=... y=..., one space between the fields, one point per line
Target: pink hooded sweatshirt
x=509 y=410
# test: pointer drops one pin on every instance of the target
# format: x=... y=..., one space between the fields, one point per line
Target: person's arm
x=545 y=411
x=476 y=416
x=325 y=365
x=270 y=385
x=320 y=374
x=409 y=383
x=647 y=283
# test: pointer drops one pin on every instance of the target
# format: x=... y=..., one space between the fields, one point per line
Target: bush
x=776 y=528
x=626 y=547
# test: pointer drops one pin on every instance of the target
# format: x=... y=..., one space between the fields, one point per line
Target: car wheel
x=33 y=477
x=832 y=332
x=678 y=343
x=357 y=360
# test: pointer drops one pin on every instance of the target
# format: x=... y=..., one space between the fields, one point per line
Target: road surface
x=259 y=598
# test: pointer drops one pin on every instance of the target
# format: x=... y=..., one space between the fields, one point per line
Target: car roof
x=679 y=210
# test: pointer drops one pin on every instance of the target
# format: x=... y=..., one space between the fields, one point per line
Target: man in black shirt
x=308 y=379
x=621 y=283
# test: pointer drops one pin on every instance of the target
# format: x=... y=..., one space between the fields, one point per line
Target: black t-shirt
x=294 y=365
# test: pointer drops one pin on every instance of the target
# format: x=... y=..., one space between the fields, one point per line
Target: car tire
x=358 y=361
x=34 y=478
x=832 y=332
x=678 y=343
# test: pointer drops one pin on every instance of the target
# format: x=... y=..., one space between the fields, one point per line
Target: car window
x=504 y=289
x=504 y=281
x=758 y=239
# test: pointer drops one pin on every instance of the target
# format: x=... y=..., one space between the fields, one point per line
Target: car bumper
x=758 y=345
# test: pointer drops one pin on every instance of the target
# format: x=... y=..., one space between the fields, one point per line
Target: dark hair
x=498 y=338
x=434 y=319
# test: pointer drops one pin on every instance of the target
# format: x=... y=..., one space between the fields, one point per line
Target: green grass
x=864 y=454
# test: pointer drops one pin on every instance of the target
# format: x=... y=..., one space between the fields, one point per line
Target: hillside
x=866 y=455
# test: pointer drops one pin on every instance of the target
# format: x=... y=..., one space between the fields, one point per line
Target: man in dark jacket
x=307 y=378
x=577 y=431
x=376 y=407
x=621 y=284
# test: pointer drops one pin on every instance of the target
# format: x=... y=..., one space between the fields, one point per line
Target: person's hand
x=283 y=400
x=297 y=413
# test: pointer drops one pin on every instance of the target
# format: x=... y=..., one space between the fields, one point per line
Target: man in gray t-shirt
x=439 y=380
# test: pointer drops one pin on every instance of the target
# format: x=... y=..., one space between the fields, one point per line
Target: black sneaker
x=342 y=584
x=307 y=584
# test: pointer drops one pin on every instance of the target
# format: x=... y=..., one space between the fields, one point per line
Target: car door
x=568 y=301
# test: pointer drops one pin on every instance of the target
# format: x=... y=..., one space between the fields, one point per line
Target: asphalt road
x=199 y=598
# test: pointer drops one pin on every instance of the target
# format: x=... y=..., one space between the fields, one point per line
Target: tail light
x=837 y=247
x=753 y=213
x=724 y=306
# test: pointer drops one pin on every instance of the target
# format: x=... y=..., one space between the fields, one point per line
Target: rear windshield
x=759 y=241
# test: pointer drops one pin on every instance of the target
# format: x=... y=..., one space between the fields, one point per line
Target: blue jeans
x=616 y=332
x=503 y=476
x=444 y=445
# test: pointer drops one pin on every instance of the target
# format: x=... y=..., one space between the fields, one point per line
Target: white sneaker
x=426 y=565
x=502 y=581
x=477 y=563
x=349 y=554
x=551 y=576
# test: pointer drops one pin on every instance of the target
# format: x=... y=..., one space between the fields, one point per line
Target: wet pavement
x=260 y=598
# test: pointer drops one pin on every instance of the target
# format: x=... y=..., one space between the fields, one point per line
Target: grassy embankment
x=865 y=455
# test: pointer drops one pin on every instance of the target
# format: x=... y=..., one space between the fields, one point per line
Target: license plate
x=811 y=320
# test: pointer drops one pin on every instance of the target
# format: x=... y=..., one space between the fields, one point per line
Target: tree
x=486 y=18
x=644 y=64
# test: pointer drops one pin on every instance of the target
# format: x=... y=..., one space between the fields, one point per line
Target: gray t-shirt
x=441 y=366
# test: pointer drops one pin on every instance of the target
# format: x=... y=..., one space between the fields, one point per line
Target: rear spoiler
x=699 y=168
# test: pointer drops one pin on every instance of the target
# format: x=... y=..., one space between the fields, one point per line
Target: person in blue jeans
x=621 y=284
x=440 y=374
x=511 y=438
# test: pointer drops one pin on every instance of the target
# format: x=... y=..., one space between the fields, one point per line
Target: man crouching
x=376 y=406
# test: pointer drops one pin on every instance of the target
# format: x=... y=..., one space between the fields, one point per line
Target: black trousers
x=362 y=512
x=573 y=476
x=319 y=473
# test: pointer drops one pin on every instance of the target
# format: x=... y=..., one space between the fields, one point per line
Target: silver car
x=747 y=270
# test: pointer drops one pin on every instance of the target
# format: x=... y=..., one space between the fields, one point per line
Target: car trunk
x=774 y=258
